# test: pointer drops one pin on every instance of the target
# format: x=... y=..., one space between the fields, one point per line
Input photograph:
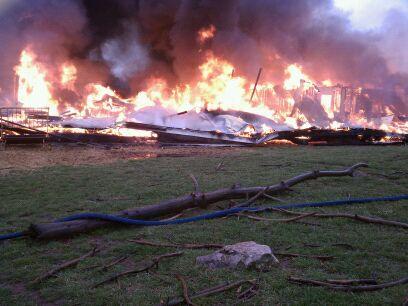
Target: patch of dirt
x=28 y=157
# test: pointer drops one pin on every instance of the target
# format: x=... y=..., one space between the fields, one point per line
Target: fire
x=327 y=83
x=68 y=75
x=296 y=78
x=206 y=33
x=326 y=102
x=217 y=88
x=33 y=87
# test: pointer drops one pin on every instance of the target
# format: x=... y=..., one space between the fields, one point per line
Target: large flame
x=33 y=87
x=216 y=88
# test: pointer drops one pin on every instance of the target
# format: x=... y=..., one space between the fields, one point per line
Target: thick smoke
x=394 y=41
x=123 y=43
x=125 y=55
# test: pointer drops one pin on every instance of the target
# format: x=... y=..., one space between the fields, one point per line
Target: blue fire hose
x=212 y=215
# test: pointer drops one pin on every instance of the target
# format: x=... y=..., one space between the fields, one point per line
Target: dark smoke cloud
x=124 y=42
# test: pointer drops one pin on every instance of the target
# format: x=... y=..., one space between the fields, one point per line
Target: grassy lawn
x=46 y=193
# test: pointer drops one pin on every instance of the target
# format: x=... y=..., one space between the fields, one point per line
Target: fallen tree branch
x=220 y=165
x=209 y=291
x=273 y=198
x=195 y=182
x=344 y=245
x=154 y=263
x=252 y=200
x=275 y=220
x=177 y=245
x=349 y=216
x=112 y=263
x=302 y=281
x=367 y=281
x=174 y=206
x=64 y=265
x=320 y=257
x=249 y=293
x=185 y=290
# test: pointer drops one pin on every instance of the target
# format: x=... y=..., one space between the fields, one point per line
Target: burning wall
x=112 y=58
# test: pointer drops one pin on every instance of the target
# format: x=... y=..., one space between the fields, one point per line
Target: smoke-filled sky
x=369 y=15
x=124 y=43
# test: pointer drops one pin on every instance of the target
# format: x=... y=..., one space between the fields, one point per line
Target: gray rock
x=246 y=254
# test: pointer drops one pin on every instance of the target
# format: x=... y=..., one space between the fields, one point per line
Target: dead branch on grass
x=220 y=165
x=249 y=293
x=344 y=245
x=344 y=215
x=185 y=290
x=366 y=281
x=177 y=245
x=209 y=291
x=154 y=263
x=174 y=206
x=275 y=220
x=196 y=186
x=65 y=265
x=311 y=282
x=114 y=262
x=273 y=198
x=320 y=257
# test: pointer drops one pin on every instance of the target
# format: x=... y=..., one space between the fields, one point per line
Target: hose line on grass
x=213 y=215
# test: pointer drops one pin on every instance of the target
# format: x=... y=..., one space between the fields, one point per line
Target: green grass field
x=47 y=193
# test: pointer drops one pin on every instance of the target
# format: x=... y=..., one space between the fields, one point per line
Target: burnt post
x=256 y=84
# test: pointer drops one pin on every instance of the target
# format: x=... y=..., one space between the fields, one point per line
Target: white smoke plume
x=125 y=55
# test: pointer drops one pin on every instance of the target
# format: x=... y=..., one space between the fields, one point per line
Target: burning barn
x=130 y=68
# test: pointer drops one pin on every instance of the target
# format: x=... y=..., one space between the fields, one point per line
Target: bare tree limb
x=220 y=165
x=176 y=245
x=273 y=198
x=114 y=262
x=348 y=216
x=320 y=257
x=252 y=200
x=209 y=291
x=64 y=265
x=195 y=182
x=185 y=290
x=174 y=206
x=302 y=281
x=367 y=281
x=275 y=220
x=249 y=293
x=154 y=262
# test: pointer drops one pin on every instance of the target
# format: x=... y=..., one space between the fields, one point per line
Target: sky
x=370 y=14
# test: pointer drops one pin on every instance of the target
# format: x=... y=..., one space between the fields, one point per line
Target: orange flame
x=206 y=33
x=33 y=88
x=216 y=88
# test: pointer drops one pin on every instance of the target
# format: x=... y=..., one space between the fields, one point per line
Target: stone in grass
x=246 y=254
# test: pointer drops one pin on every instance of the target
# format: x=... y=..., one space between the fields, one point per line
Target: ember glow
x=206 y=34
